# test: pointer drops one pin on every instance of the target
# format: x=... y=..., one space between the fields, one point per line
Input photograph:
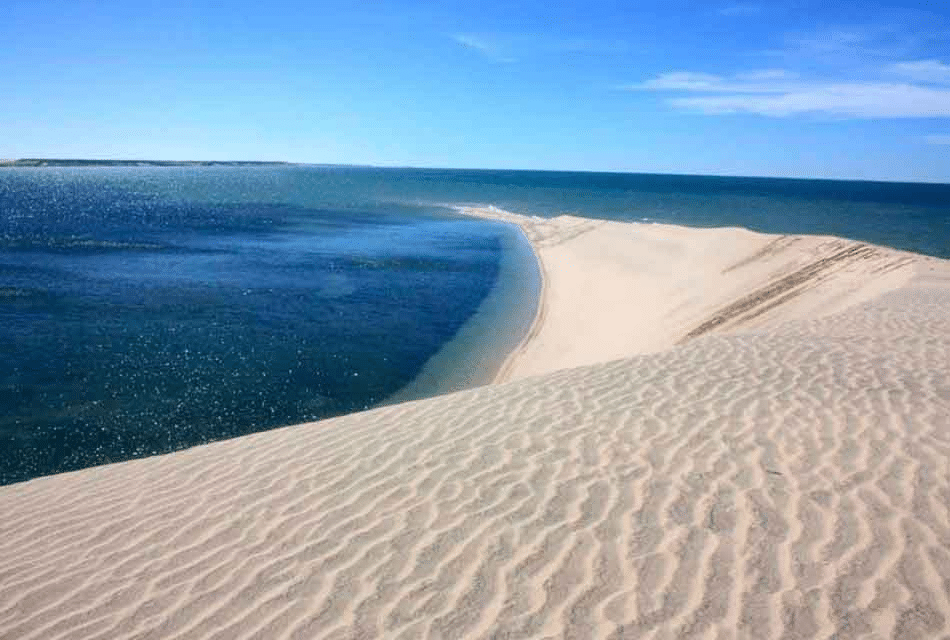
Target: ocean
x=148 y=309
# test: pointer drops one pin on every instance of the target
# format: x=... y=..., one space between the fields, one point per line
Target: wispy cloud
x=484 y=45
x=507 y=48
x=832 y=41
x=766 y=81
x=780 y=93
x=929 y=71
x=852 y=100
x=939 y=140
x=854 y=47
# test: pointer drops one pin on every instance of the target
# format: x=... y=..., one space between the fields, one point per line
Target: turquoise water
x=147 y=309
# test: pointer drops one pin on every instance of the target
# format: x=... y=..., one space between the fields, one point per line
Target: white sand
x=615 y=289
x=783 y=474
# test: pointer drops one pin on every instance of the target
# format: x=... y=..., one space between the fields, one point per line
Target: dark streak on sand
x=783 y=289
x=774 y=247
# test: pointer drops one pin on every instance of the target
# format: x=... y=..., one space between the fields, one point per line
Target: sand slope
x=790 y=480
x=616 y=289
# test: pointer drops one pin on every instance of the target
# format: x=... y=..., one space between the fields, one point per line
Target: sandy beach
x=707 y=433
x=615 y=289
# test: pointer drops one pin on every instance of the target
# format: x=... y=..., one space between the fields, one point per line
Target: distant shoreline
x=59 y=162
x=65 y=162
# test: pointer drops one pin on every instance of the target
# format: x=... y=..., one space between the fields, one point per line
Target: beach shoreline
x=483 y=345
x=503 y=373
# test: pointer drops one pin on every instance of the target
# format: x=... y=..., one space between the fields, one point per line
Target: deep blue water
x=144 y=310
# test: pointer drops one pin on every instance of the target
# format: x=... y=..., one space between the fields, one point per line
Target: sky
x=801 y=89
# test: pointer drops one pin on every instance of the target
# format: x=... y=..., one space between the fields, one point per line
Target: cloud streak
x=848 y=46
x=853 y=100
x=777 y=93
x=508 y=48
x=928 y=71
x=768 y=81
x=484 y=46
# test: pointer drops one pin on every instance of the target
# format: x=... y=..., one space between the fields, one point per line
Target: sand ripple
x=790 y=479
x=782 y=483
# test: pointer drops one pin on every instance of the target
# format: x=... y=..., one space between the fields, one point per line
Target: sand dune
x=774 y=473
x=617 y=289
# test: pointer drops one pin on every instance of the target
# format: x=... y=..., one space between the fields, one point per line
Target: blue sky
x=811 y=89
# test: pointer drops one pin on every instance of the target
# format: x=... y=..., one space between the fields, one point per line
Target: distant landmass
x=59 y=162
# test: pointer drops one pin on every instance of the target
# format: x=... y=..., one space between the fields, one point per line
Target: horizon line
x=33 y=162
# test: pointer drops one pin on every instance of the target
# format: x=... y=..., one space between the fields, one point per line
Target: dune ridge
x=781 y=473
x=616 y=289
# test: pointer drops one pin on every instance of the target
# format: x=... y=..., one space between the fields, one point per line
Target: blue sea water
x=147 y=309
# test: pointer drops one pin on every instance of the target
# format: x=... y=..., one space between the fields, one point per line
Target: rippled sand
x=769 y=475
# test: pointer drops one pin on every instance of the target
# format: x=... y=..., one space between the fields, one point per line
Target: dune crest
x=781 y=473
x=617 y=289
